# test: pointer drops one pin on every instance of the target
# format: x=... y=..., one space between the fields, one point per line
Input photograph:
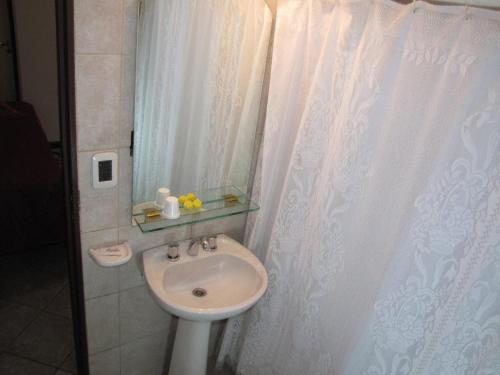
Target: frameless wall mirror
x=199 y=77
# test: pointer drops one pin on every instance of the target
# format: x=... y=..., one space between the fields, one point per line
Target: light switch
x=104 y=170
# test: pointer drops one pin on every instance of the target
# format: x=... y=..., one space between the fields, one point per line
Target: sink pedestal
x=190 y=348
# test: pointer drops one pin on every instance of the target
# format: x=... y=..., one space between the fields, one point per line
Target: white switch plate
x=99 y=160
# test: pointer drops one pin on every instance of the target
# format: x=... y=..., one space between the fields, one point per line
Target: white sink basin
x=233 y=278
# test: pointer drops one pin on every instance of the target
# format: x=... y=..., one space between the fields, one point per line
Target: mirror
x=199 y=75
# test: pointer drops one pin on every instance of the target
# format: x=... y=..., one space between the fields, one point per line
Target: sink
x=200 y=289
x=233 y=278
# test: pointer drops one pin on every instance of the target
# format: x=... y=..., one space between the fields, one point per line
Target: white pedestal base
x=190 y=353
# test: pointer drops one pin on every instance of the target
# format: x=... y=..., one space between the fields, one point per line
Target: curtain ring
x=414 y=6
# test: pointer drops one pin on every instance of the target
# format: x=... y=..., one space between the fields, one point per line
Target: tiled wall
x=127 y=331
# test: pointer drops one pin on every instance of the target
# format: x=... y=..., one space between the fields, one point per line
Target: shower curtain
x=379 y=187
x=198 y=88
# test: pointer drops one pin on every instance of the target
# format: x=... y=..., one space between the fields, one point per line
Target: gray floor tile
x=69 y=363
x=51 y=258
x=13 y=320
x=62 y=372
x=61 y=304
x=12 y=365
x=211 y=368
x=48 y=339
x=23 y=284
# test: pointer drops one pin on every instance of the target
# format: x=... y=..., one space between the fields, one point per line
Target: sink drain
x=199 y=292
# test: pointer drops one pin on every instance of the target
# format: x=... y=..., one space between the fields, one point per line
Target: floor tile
x=62 y=372
x=23 y=284
x=145 y=356
x=69 y=363
x=51 y=258
x=13 y=320
x=12 y=365
x=211 y=368
x=106 y=363
x=61 y=304
x=48 y=339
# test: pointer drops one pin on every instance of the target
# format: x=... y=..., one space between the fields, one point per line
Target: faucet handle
x=173 y=252
x=212 y=243
x=205 y=244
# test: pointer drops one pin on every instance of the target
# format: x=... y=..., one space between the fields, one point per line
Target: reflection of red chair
x=31 y=194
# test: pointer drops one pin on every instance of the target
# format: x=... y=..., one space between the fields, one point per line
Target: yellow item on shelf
x=182 y=199
x=230 y=200
x=197 y=203
x=188 y=205
x=151 y=212
x=190 y=196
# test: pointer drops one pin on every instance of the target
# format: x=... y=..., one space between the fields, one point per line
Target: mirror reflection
x=199 y=76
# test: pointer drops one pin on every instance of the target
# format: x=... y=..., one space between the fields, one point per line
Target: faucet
x=206 y=243
x=194 y=246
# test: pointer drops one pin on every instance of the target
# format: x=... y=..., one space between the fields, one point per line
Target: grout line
x=64 y=361
x=56 y=315
x=37 y=309
x=117 y=292
x=163 y=330
x=102 y=149
x=29 y=359
x=97 y=230
x=97 y=54
x=44 y=309
x=28 y=324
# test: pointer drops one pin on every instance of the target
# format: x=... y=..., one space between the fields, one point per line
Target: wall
x=127 y=331
x=35 y=27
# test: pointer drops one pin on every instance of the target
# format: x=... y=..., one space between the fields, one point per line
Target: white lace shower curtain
x=379 y=187
x=198 y=87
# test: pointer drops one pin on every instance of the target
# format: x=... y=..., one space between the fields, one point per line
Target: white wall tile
x=98 y=280
x=98 y=80
x=127 y=99
x=105 y=363
x=98 y=207
x=129 y=26
x=143 y=241
x=231 y=225
x=103 y=330
x=130 y=273
x=145 y=356
x=140 y=315
x=98 y=26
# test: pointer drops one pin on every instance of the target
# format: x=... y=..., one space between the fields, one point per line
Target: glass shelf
x=217 y=203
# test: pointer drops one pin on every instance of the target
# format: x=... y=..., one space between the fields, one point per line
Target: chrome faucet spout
x=193 y=248
x=207 y=244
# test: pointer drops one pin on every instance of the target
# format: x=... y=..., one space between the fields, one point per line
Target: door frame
x=13 y=46
x=67 y=118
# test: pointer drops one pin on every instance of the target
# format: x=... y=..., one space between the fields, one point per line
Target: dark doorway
x=42 y=323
